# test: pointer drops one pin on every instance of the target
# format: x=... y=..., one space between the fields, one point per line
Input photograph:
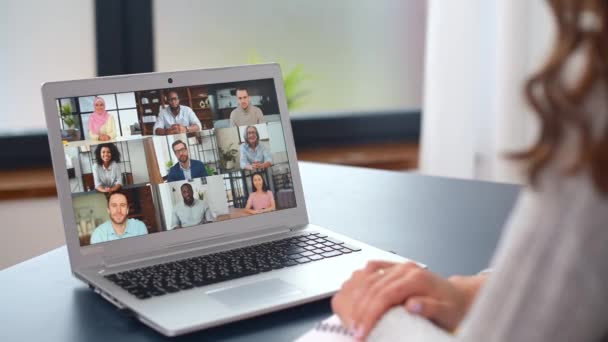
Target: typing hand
x=372 y=291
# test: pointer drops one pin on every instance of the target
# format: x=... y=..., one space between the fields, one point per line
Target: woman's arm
x=272 y=204
x=111 y=128
x=249 y=206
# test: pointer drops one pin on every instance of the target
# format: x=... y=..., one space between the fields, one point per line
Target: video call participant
x=101 y=123
x=246 y=113
x=118 y=226
x=191 y=211
x=175 y=118
x=253 y=154
x=106 y=171
x=185 y=168
x=261 y=200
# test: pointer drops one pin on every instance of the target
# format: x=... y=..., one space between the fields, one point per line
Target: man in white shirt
x=191 y=211
x=175 y=118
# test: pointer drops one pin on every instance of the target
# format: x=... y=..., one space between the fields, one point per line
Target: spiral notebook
x=396 y=325
x=330 y=329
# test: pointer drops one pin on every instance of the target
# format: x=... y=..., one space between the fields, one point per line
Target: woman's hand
x=372 y=291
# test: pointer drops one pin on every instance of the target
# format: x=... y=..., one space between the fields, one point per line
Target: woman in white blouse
x=106 y=171
x=549 y=280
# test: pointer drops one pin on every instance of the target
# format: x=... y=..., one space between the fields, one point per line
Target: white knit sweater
x=550 y=271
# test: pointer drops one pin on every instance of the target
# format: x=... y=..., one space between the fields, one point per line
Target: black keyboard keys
x=209 y=269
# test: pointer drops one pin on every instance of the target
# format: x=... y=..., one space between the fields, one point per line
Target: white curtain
x=479 y=54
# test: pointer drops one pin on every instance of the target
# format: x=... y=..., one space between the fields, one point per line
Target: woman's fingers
x=444 y=314
x=342 y=303
x=390 y=289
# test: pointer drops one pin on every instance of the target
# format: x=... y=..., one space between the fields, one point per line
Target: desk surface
x=451 y=225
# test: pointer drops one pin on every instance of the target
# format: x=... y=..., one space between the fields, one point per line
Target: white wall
x=276 y=137
x=41 y=41
x=139 y=167
x=360 y=55
x=163 y=155
x=479 y=54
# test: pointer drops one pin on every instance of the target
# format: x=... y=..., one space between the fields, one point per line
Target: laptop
x=181 y=197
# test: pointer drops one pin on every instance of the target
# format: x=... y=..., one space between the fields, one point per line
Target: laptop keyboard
x=209 y=269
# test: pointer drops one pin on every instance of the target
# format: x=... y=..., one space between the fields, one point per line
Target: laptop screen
x=148 y=162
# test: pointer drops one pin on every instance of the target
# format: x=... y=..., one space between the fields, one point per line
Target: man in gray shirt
x=176 y=118
x=245 y=114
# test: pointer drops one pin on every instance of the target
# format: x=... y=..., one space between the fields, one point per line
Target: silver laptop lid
x=145 y=163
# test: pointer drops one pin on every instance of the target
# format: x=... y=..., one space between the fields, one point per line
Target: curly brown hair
x=582 y=27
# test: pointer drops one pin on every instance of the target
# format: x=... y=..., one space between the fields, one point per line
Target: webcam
x=170 y=80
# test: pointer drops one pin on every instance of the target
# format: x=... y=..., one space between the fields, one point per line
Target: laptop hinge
x=295 y=228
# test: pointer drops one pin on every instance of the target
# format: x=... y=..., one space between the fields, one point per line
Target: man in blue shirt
x=118 y=226
x=176 y=118
x=185 y=168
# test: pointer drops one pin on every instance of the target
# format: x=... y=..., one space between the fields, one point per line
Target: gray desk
x=451 y=225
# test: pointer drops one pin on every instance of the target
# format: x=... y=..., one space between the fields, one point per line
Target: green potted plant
x=210 y=170
x=228 y=158
x=70 y=122
x=294 y=80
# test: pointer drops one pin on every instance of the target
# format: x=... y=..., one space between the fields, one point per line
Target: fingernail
x=358 y=332
x=416 y=308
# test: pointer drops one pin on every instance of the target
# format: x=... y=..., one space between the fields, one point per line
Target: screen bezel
x=98 y=255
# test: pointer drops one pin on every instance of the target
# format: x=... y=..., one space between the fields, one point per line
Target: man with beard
x=118 y=226
x=191 y=211
x=185 y=168
x=175 y=118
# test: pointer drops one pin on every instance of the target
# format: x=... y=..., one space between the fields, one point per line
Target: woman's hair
x=264 y=185
x=113 y=151
x=582 y=28
x=257 y=135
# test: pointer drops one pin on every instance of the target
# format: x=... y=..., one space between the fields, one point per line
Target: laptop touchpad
x=261 y=292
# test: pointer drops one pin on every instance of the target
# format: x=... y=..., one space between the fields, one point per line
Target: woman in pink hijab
x=101 y=123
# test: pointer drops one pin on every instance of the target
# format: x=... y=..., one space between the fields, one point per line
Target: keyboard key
x=337 y=242
x=352 y=248
x=331 y=254
x=303 y=260
x=295 y=250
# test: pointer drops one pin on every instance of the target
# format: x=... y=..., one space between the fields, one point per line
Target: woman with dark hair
x=261 y=200
x=106 y=172
x=253 y=154
x=549 y=279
